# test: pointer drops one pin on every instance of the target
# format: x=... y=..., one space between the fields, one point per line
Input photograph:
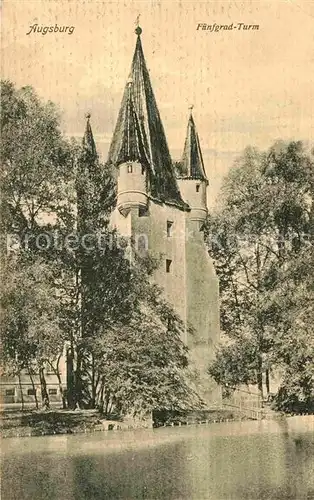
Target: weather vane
x=191 y=107
x=138 y=29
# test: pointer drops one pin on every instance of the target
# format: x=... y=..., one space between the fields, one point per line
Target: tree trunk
x=34 y=388
x=70 y=378
x=260 y=329
x=267 y=382
x=260 y=377
x=78 y=395
x=101 y=396
x=44 y=393
x=94 y=385
x=57 y=374
x=21 y=390
x=107 y=399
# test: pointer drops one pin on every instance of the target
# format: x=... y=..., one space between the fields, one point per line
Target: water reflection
x=235 y=461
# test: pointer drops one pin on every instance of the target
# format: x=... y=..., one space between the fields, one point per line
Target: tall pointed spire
x=192 y=164
x=87 y=179
x=88 y=143
x=139 y=117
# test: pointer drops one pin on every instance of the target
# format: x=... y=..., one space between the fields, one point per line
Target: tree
x=31 y=335
x=84 y=288
x=36 y=172
x=260 y=228
x=36 y=160
x=139 y=361
x=293 y=348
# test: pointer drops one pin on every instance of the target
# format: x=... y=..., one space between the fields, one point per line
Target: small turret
x=192 y=178
x=88 y=142
x=87 y=172
x=132 y=161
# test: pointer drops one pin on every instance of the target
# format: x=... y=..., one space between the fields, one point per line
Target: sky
x=248 y=87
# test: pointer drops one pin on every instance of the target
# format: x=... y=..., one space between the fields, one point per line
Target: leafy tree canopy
x=261 y=240
x=86 y=291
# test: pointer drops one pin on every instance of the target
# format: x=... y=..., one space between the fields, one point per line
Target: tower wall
x=194 y=193
x=202 y=287
x=131 y=186
x=150 y=230
x=191 y=286
x=202 y=299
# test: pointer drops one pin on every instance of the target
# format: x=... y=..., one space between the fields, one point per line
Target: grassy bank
x=38 y=423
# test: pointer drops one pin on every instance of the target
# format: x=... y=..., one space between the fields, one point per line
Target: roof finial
x=88 y=115
x=191 y=108
x=138 y=29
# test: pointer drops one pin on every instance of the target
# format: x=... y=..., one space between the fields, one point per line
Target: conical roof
x=88 y=143
x=139 y=126
x=192 y=165
x=133 y=143
x=87 y=179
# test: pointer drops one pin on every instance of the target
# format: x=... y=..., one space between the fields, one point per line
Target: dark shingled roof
x=192 y=165
x=87 y=173
x=133 y=143
x=139 y=133
x=88 y=143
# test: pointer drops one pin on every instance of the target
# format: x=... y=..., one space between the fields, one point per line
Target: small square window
x=143 y=212
x=31 y=392
x=130 y=169
x=52 y=392
x=10 y=392
x=169 y=228
x=168 y=265
x=197 y=188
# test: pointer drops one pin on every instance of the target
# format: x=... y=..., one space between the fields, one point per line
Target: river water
x=239 y=460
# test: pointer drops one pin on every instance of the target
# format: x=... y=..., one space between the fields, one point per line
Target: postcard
x=157 y=249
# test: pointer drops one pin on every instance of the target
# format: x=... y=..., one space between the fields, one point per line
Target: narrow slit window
x=143 y=170
x=168 y=265
x=130 y=169
x=197 y=188
x=169 y=228
x=52 y=392
x=10 y=392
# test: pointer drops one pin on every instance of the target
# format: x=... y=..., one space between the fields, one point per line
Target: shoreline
x=67 y=422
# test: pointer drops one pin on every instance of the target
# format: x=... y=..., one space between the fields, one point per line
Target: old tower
x=167 y=209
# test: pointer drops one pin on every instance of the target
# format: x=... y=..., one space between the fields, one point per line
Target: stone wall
x=191 y=285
